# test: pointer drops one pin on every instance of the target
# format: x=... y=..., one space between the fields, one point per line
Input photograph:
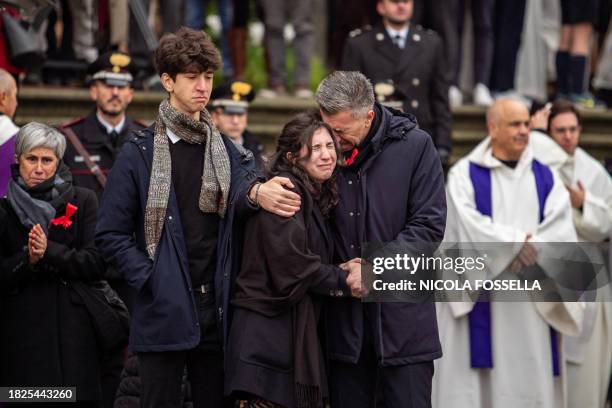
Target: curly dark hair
x=187 y=50
x=298 y=133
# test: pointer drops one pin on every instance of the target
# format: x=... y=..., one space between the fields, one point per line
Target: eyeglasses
x=563 y=130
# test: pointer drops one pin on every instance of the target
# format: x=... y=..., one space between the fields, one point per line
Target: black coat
x=261 y=347
x=98 y=143
x=47 y=338
x=397 y=195
x=417 y=70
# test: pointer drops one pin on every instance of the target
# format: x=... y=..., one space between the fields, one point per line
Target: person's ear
x=167 y=82
x=130 y=95
x=93 y=92
x=492 y=128
x=369 y=118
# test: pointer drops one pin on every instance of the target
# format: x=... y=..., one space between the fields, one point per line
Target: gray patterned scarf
x=216 y=174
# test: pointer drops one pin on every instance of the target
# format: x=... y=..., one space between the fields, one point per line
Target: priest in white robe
x=500 y=194
x=589 y=355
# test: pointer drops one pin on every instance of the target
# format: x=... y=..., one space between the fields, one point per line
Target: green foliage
x=256 y=69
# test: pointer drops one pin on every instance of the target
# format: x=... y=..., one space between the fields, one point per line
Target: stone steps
x=267 y=117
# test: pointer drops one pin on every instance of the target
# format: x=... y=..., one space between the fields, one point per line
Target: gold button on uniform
x=416 y=81
x=414 y=103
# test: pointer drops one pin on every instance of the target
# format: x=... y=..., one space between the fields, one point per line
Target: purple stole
x=7 y=157
x=481 y=346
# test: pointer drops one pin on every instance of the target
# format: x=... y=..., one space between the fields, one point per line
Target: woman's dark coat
x=260 y=351
x=46 y=335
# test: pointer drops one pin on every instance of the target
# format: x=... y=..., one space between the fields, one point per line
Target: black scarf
x=365 y=148
x=39 y=204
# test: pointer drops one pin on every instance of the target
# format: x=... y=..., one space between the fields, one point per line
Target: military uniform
x=417 y=70
x=100 y=146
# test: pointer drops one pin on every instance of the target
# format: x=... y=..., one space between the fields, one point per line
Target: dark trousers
x=441 y=16
x=482 y=20
x=366 y=385
x=508 y=27
x=161 y=374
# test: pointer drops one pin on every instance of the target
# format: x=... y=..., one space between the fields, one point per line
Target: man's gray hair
x=346 y=90
x=35 y=135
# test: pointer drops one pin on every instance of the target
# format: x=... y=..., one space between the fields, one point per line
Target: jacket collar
x=401 y=59
x=394 y=124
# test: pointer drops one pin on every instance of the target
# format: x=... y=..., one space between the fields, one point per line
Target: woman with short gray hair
x=35 y=135
x=46 y=248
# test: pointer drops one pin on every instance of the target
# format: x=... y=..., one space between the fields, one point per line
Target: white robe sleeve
x=594 y=222
x=557 y=226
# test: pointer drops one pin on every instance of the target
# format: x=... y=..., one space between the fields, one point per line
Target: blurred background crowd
x=526 y=48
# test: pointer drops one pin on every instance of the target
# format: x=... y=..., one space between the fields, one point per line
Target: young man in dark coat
x=171 y=223
x=413 y=60
x=392 y=189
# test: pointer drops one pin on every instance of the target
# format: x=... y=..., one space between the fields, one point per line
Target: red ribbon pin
x=351 y=159
x=65 y=221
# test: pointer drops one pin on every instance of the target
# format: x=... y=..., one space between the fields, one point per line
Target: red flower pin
x=65 y=221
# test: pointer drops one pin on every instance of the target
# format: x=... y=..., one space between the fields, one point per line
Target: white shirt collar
x=172 y=136
x=109 y=128
x=403 y=33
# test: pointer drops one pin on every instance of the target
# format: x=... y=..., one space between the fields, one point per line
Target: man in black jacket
x=413 y=60
x=392 y=189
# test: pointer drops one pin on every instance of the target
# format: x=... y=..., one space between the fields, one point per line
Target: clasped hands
x=353 y=278
x=37 y=244
x=527 y=256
